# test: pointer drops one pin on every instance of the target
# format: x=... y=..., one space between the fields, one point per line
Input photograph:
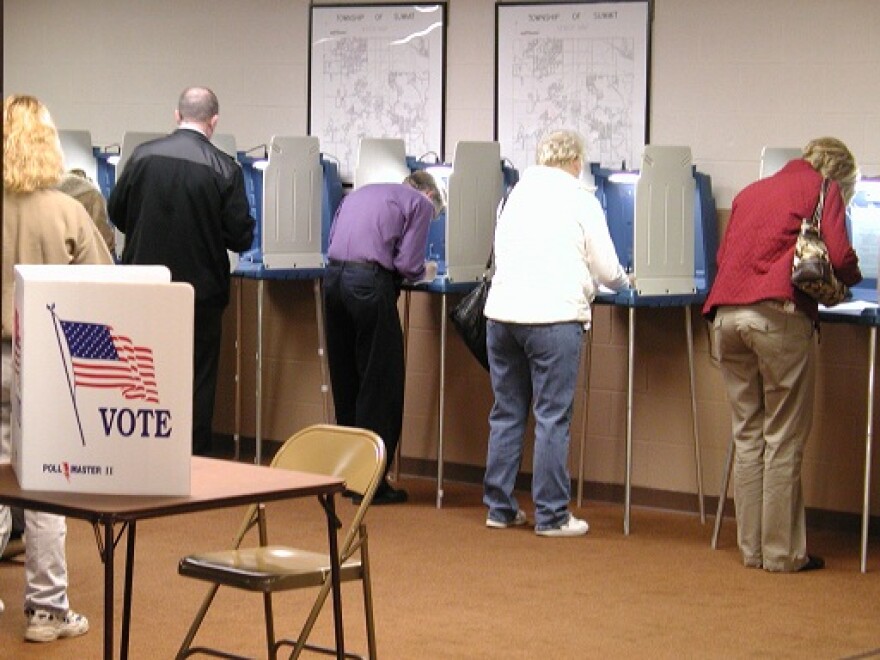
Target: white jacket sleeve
x=602 y=258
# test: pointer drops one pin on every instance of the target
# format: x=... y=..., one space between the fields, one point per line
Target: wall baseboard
x=837 y=521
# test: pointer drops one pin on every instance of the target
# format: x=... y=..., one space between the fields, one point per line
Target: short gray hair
x=560 y=148
x=197 y=104
x=424 y=182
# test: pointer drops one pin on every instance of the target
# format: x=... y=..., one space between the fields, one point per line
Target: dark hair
x=197 y=104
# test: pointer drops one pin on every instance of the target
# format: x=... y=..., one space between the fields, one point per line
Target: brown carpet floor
x=447 y=587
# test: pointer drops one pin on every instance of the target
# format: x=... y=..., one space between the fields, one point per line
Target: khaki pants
x=767 y=357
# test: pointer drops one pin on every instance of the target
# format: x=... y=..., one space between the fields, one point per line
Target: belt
x=362 y=265
x=785 y=306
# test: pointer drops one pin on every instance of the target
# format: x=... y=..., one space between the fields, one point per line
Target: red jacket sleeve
x=843 y=257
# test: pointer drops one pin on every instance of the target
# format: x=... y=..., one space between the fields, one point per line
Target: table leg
x=693 y=382
x=866 y=505
x=629 y=418
x=126 y=597
x=334 y=576
x=108 y=589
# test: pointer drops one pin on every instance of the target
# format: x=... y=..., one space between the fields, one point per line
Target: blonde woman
x=551 y=247
x=763 y=337
x=41 y=225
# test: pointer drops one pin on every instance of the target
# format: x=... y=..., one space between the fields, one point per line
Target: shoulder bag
x=811 y=271
x=469 y=319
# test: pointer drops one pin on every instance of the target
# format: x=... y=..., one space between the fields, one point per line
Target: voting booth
x=102 y=380
x=293 y=193
x=862 y=221
x=863 y=225
x=474 y=184
x=663 y=223
x=76 y=145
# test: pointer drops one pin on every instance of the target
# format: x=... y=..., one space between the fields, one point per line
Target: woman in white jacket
x=552 y=247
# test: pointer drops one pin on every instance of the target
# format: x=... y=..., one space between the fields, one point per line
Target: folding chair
x=356 y=455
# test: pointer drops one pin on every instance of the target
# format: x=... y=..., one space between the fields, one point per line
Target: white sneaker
x=2 y=607
x=518 y=520
x=44 y=626
x=572 y=527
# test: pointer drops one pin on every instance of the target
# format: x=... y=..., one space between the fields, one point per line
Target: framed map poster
x=576 y=65
x=377 y=70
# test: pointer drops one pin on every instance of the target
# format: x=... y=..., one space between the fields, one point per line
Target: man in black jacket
x=181 y=203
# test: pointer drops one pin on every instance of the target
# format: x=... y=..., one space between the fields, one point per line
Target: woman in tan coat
x=41 y=225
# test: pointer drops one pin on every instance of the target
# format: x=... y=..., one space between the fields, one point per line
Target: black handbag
x=469 y=319
x=811 y=271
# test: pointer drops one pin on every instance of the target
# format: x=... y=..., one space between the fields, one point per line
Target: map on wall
x=579 y=65
x=376 y=71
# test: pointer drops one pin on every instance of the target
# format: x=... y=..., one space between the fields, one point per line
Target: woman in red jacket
x=764 y=339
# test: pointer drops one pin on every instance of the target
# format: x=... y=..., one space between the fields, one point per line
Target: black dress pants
x=365 y=349
x=207 y=334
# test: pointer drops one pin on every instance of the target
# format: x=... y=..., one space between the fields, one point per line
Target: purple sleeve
x=410 y=258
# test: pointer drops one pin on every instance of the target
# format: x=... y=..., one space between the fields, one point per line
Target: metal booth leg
x=406 y=308
x=722 y=494
x=693 y=383
x=442 y=402
x=587 y=362
x=866 y=505
x=318 y=287
x=627 y=504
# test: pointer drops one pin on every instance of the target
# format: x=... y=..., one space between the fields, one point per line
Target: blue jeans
x=537 y=366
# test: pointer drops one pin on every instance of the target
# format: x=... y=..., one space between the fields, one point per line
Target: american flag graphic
x=103 y=359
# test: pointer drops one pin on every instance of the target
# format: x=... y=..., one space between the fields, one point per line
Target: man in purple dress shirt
x=377 y=240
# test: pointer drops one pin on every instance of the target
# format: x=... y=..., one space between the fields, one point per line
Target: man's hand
x=430 y=271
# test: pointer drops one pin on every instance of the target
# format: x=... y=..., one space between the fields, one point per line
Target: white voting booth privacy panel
x=292 y=187
x=102 y=380
x=225 y=142
x=380 y=160
x=76 y=145
x=774 y=159
x=474 y=192
x=663 y=242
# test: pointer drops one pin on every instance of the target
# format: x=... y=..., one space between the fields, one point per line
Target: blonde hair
x=560 y=148
x=833 y=160
x=32 y=158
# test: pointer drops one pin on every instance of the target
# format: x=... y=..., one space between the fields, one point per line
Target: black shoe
x=814 y=563
x=384 y=495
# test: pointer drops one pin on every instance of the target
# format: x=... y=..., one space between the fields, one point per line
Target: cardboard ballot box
x=102 y=380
